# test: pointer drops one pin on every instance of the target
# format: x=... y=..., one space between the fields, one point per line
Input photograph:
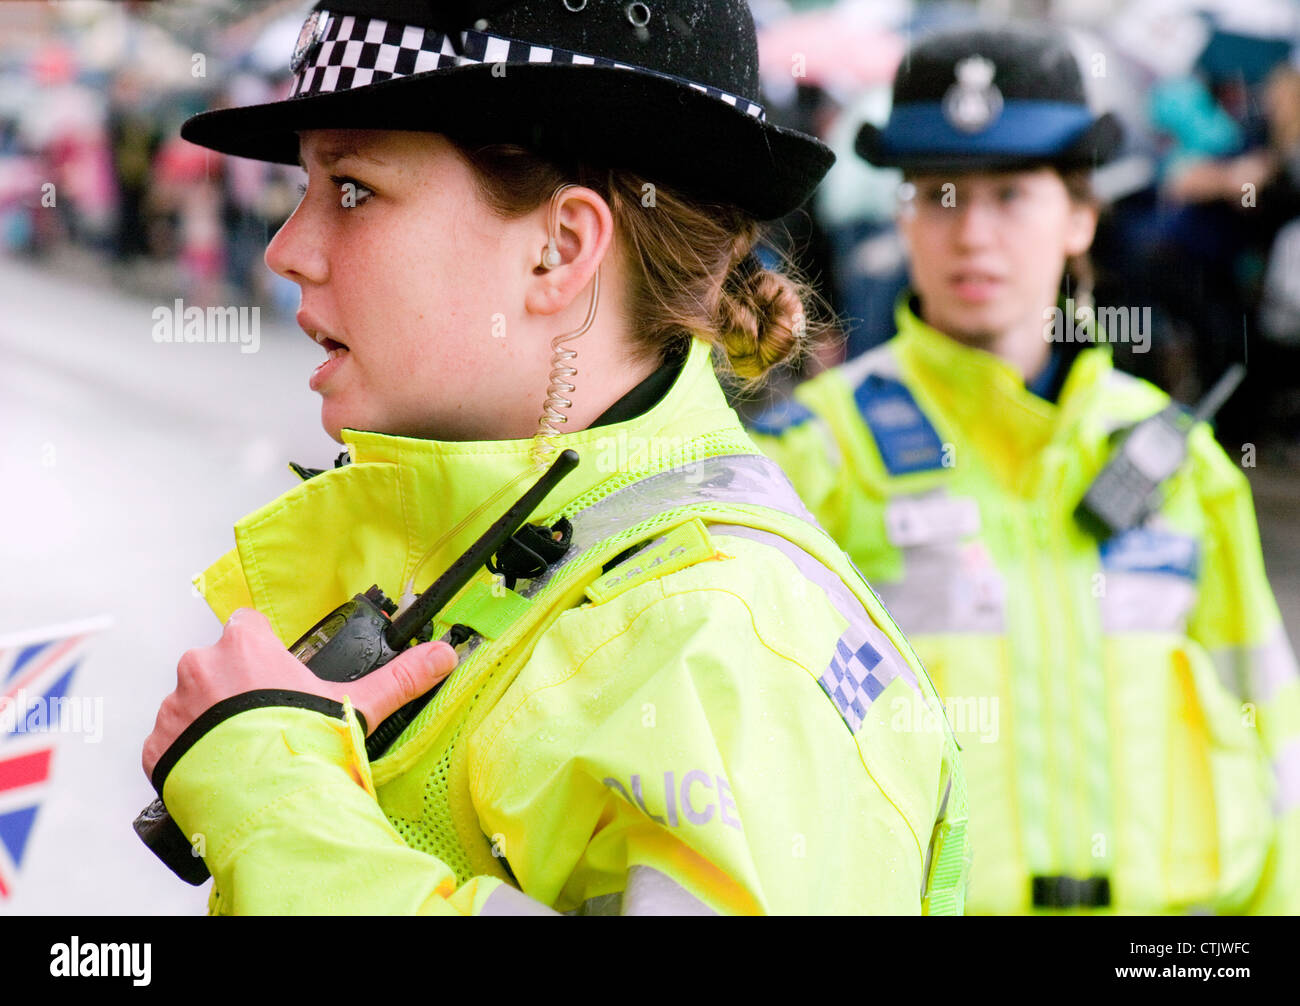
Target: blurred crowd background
x=1203 y=224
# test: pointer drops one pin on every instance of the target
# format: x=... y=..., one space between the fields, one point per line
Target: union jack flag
x=36 y=670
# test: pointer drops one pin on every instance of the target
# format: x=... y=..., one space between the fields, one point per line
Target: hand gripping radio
x=356 y=638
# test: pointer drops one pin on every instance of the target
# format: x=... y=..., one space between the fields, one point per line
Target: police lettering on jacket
x=685 y=798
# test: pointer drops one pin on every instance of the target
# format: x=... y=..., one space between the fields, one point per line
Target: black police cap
x=990 y=98
x=667 y=88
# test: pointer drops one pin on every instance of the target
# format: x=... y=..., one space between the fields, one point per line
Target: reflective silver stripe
x=1286 y=767
x=833 y=456
x=934 y=837
x=1123 y=387
x=864 y=661
x=949 y=582
x=881 y=360
x=938 y=593
x=507 y=900
x=1258 y=672
x=1145 y=602
x=728 y=478
x=650 y=892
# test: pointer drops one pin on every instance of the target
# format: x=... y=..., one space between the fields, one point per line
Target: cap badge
x=309 y=39
x=973 y=103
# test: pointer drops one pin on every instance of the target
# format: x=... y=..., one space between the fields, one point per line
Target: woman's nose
x=976 y=221
x=294 y=254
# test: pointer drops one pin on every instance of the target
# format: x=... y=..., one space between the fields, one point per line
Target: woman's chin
x=335 y=420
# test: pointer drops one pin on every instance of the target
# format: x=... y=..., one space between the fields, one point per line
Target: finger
x=381 y=693
x=149 y=756
x=247 y=618
x=187 y=668
x=168 y=725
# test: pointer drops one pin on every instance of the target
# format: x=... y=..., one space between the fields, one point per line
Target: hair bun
x=761 y=318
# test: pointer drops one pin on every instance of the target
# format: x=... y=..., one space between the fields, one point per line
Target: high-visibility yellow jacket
x=701 y=728
x=1129 y=713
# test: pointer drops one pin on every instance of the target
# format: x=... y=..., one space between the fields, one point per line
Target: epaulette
x=905 y=437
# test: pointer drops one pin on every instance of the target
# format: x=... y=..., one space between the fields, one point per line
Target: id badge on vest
x=950 y=582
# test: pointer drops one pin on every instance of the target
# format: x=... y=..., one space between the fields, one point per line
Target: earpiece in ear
x=550 y=257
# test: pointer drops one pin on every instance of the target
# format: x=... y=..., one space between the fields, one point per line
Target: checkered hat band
x=356 y=51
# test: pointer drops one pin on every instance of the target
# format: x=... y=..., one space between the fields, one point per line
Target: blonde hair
x=687 y=267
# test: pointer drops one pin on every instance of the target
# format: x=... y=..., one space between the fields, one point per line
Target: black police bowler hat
x=667 y=88
x=990 y=98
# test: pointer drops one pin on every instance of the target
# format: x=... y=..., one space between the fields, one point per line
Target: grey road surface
x=124 y=463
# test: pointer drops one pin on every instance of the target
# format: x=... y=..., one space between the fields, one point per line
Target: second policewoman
x=1130 y=697
x=669 y=690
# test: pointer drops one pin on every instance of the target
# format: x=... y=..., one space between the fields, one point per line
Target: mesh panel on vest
x=433 y=832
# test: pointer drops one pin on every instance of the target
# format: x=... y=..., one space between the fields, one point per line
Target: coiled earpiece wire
x=543 y=447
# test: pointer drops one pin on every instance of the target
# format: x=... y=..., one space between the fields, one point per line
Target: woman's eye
x=351 y=192
x=1009 y=193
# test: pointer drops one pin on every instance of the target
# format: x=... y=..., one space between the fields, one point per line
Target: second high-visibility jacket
x=700 y=727
x=1129 y=710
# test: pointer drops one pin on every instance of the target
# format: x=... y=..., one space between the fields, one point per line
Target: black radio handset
x=356 y=638
x=1126 y=491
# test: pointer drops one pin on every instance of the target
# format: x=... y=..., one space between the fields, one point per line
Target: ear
x=584 y=232
x=905 y=213
x=1080 y=228
x=903 y=220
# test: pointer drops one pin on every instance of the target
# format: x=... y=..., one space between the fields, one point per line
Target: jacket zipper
x=1066 y=677
x=1033 y=661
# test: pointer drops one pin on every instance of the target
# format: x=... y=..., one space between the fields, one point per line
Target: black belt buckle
x=1071 y=892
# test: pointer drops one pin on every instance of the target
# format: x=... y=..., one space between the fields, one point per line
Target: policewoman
x=666 y=694
x=1127 y=703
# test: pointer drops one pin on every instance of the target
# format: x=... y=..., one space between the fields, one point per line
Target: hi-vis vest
x=708 y=505
x=1129 y=711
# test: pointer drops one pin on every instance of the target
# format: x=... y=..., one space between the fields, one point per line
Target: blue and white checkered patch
x=354 y=51
x=855 y=678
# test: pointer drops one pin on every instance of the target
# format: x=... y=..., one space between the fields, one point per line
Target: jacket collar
x=405 y=508
x=468 y=470
x=985 y=398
